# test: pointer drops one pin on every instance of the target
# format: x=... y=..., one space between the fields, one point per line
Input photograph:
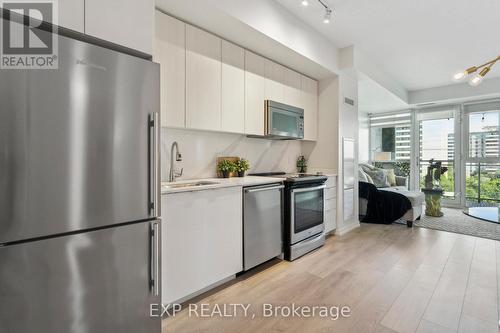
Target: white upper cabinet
x=203 y=80
x=292 y=88
x=254 y=93
x=71 y=14
x=310 y=105
x=274 y=84
x=125 y=22
x=170 y=53
x=233 y=88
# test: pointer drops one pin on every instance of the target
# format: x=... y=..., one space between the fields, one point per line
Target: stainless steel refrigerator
x=79 y=190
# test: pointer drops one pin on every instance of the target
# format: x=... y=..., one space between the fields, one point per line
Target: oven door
x=306 y=212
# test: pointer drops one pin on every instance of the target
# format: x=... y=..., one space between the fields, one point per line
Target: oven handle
x=308 y=189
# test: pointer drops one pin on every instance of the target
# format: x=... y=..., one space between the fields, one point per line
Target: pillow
x=367 y=167
x=391 y=176
x=379 y=177
x=370 y=180
x=362 y=176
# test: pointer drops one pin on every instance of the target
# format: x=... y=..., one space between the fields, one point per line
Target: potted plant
x=302 y=164
x=242 y=166
x=226 y=167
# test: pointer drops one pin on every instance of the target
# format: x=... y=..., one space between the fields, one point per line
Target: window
x=390 y=137
x=482 y=154
x=437 y=142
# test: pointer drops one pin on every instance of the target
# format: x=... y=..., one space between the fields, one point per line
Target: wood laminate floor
x=394 y=279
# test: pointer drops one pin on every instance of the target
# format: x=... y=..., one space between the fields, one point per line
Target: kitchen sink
x=193 y=184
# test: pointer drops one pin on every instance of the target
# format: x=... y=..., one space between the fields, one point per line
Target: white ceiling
x=421 y=43
x=373 y=98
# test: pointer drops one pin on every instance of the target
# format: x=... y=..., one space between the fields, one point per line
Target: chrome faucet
x=178 y=157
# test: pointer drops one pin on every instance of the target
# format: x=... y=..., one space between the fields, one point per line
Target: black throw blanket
x=383 y=206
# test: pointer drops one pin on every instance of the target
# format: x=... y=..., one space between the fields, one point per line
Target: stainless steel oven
x=306 y=212
x=283 y=121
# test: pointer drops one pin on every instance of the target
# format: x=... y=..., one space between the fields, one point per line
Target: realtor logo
x=27 y=41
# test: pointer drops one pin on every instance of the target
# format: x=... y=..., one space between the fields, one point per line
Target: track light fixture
x=478 y=78
x=328 y=15
x=328 y=11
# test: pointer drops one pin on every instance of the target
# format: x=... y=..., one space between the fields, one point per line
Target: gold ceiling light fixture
x=328 y=11
x=478 y=78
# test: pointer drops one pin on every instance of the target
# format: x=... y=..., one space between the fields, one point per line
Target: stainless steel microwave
x=283 y=121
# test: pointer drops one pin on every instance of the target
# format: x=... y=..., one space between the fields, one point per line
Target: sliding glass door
x=482 y=154
x=437 y=133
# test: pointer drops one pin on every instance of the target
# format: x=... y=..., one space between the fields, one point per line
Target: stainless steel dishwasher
x=262 y=224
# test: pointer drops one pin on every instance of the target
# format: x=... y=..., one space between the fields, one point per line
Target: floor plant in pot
x=242 y=166
x=226 y=167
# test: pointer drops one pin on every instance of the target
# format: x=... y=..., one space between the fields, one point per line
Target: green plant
x=242 y=165
x=226 y=166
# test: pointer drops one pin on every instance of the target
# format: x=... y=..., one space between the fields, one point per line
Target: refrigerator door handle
x=154 y=283
x=153 y=163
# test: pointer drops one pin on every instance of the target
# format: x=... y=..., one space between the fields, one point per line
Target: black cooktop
x=294 y=177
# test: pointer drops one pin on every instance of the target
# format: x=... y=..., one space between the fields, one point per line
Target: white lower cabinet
x=331 y=204
x=201 y=240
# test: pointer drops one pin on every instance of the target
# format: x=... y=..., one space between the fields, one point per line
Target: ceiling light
x=478 y=78
x=328 y=11
x=461 y=75
x=305 y=3
x=328 y=15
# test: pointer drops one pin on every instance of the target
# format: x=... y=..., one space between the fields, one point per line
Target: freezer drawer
x=262 y=224
x=99 y=281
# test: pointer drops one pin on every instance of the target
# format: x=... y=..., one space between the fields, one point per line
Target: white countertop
x=220 y=183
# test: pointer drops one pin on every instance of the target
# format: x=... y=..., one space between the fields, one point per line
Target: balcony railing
x=482 y=184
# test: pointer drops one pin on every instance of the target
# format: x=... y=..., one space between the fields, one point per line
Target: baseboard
x=202 y=291
x=345 y=229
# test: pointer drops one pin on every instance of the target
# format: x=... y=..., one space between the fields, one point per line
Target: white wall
x=364 y=137
x=489 y=88
x=348 y=128
x=336 y=121
x=200 y=150
x=323 y=154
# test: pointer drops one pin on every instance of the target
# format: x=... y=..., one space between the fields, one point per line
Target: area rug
x=454 y=220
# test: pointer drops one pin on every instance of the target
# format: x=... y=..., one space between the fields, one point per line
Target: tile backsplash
x=200 y=150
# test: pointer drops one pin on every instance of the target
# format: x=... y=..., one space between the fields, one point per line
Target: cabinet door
x=125 y=22
x=203 y=80
x=254 y=93
x=292 y=88
x=275 y=78
x=310 y=104
x=233 y=88
x=170 y=53
x=201 y=240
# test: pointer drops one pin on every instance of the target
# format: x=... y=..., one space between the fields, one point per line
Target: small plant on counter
x=226 y=167
x=242 y=166
x=302 y=164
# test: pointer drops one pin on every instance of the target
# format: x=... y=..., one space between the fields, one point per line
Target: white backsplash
x=200 y=150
